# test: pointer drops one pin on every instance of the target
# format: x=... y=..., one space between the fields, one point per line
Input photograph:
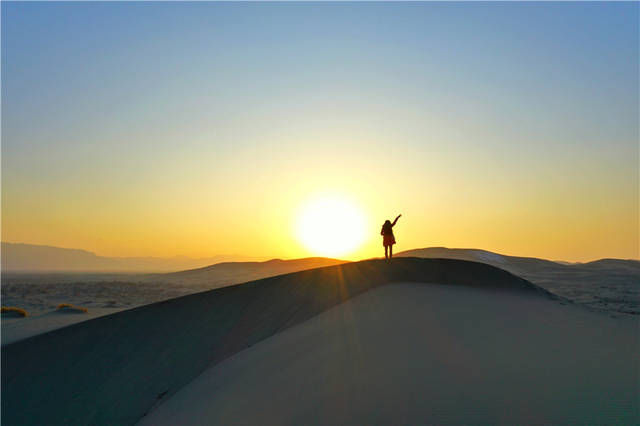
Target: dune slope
x=409 y=353
x=114 y=369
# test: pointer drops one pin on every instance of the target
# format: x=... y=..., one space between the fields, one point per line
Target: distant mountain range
x=18 y=257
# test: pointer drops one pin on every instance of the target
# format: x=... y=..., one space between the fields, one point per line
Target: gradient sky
x=200 y=128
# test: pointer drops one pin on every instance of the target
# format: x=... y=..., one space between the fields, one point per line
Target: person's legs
x=390 y=251
x=386 y=253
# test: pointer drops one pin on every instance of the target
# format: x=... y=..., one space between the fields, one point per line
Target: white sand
x=416 y=353
x=16 y=329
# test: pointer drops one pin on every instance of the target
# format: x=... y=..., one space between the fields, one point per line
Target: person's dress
x=388 y=239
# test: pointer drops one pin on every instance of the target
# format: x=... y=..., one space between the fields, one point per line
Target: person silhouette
x=388 y=240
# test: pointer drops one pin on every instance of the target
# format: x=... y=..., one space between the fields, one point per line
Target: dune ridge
x=574 y=281
x=114 y=369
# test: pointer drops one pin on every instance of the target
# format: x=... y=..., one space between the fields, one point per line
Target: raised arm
x=394 y=222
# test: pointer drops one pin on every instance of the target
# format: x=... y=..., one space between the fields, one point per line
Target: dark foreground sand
x=424 y=354
x=118 y=368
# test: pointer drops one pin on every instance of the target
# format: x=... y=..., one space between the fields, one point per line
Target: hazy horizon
x=231 y=257
x=200 y=129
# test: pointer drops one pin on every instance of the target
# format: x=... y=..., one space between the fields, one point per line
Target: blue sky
x=125 y=98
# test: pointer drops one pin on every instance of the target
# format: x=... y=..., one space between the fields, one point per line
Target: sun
x=331 y=225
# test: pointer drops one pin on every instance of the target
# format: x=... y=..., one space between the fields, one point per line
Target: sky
x=197 y=129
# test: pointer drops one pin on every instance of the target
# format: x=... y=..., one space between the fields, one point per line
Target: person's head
x=387 y=222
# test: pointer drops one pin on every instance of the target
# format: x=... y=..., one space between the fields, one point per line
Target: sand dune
x=16 y=329
x=113 y=369
x=410 y=353
x=107 y=293
x=117 y=368
x=606 y=284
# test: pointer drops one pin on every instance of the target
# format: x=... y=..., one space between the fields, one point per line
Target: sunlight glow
x=331 y=225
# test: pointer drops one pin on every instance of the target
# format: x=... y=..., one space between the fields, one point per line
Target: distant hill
x=227 y=273
x=612 y=284
x=18 y=257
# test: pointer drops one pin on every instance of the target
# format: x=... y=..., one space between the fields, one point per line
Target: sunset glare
x=331 y=226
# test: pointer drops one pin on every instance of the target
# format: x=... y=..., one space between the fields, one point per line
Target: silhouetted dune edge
x=113 y=369
x=605 y=285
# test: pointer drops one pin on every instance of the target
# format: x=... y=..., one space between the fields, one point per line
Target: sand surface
x=117 y=368
x=426 y=354
x=16 y=329
x=104 y=293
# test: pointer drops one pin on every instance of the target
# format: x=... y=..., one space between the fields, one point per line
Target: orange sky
x=202 y=129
